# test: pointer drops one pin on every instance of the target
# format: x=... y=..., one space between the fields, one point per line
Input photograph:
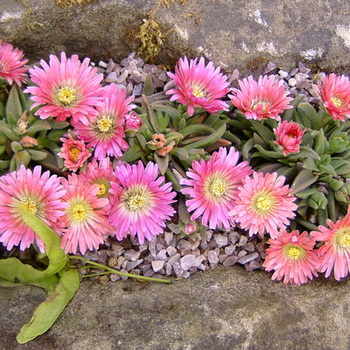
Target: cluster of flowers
x=122 y=199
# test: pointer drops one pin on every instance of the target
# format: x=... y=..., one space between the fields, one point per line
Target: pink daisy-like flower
x=198 y=85
x=264 y=204
x=292 y=258
x=212 y=186
x=74 y=153
x=265 y=98
x=30 y=191
x=335 y=94
x=289 y=136
x=105 y=132
x=100 y=174
x=335 y=252
x=132 y=122
x=66 y=88
x=142 y=203
x=12 y=63
x=85 y=221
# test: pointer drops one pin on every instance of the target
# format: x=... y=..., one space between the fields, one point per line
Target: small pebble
x=247 y=258
x=157 y=265
x=221 y=240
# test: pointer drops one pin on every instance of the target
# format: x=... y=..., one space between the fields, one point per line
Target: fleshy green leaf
x=163 y=163
x=303 y=180
x=38 y=125
x=13 y=106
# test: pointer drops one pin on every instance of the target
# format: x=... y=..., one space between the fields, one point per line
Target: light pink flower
x=292 y=258
x=198 y=85
x=212 y=186
x=142 y=202
x=74 y=153
x=105 y=132
x=85 y=221
x=132 y=122
x=30 y=191
x=289 y=136
x=264 y=204
x=265 y=98
x=66 y=88
x=335 y=94
x=12 y=63
x=335 y=252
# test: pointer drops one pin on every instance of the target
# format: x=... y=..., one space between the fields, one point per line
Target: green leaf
x=22 y=157
x=38 y=155
x=163 y=120
x=247 y=148
x=13 y=106
x=303 y=180
x=7 y=131
x=148 y=88
x=4 y=164
x=265 y=133
x=133 y=153
x=58 y=125
x=196 y=129
x=266 y=154
x=163 y=163
x=38 y=125
x=171 y=177
x=47 y=312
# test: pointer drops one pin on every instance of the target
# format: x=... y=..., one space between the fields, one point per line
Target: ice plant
x=65 y=88
x=142 y=202
x=292 y=258
x=198 y=86
x=212 y=186
x=334 y=91
x=85 y=222
x=74 y=153
x=335 y=252
x=12 y=64
x=30 y=191
x=265 y=98
x=132 y=122
x=105 y=132
x=289 y=136
x=264 y=204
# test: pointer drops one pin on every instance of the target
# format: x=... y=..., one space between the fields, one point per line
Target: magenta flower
x=264 y=204
x=85 y=221
x=198 y=86
x=142 y=203
x=12 y=63
x=30 y=191
x=335 y=94
x=292 y=258
x=335 y=252
x=132 y=122
x=105 y=131
x=289 y=136
x=212 y=186
x=66 y=88
x=265 y=98
x=74 y=153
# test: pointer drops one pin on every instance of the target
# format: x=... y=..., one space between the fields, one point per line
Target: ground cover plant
x=82 y=161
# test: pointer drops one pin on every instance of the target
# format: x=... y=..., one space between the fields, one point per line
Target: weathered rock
x=218 y=310
x=234 y=33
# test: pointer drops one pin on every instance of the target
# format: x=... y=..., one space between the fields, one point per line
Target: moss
x=70 y=3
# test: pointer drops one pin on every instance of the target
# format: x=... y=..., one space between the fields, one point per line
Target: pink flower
x=335 y=252
x=66 y=88
x=142 y=202
x=105 y=131
x=85 y=221
x=132 y=122
x=12 y=63
x=292 y=258
x=264 y=205
x=265 y=98
x=74 y=153
x=289 y=136
x=198 y=85
x=30 y=191
x=100 y=174
x=212 y=186
x=335 y=94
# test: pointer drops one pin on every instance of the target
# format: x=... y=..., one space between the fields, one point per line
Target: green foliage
x=318 y=174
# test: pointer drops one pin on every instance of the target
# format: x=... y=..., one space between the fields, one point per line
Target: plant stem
x=120 y=273
x=96 y=274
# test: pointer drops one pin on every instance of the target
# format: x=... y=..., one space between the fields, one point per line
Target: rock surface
x=240 y=34
x=218 y=310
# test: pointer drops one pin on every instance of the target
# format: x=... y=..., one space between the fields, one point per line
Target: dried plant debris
x=70 y=3
x=168 y=3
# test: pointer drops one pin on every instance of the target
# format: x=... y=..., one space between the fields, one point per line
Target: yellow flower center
x=136 y=198
x=216 y=186
x=342 y=237
x=263 y=202
x=338 y=102
x=294 y=252
x=198 y=91
x=66 y=95
x=104 y=124
x=29 y=205
x=74 y=154
x=257 y=103
x=79 y=211
x=102 y=190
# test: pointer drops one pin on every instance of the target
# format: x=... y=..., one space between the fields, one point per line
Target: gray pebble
x=157 y=265
x=247 y=258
